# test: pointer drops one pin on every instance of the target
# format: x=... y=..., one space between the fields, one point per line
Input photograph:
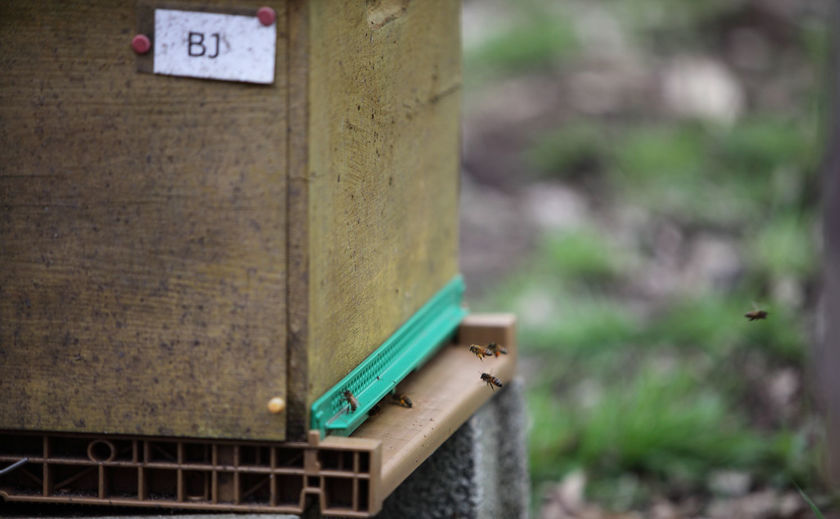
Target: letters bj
x=196 y=47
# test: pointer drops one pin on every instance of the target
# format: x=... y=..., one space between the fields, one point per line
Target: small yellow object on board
x=276 y=405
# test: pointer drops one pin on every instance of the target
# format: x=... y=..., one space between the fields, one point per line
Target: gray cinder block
x=480 y=471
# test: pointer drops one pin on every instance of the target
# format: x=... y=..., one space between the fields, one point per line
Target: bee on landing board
x=496 y=349
x=351 y=399
x=491 y=380
x=401 y=400
x=480 y=351
x=756 y=313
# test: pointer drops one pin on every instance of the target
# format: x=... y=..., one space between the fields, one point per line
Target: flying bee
x=401 y=399
x=491 y=380
x=756 y=313
x=480 y=351
x=496 y=349
x=351 y=399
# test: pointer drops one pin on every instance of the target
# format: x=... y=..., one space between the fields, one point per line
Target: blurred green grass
x=537 y=36
x=648 y=397
x=784 y=247
x=534 y=42
x=686 y=170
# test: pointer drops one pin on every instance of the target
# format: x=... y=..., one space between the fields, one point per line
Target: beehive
x=176 y=252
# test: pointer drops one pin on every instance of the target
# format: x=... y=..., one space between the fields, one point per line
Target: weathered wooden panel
x=164 y=240
x=384 y=83
x=142 y=234
x=297 y=416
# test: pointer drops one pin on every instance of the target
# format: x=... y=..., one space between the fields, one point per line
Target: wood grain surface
x=384 y=100
x=175 y=252
x=142 y=234
x=297 y=301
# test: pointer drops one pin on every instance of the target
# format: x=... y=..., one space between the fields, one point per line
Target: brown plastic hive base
x=348 y=477
x=189 y=474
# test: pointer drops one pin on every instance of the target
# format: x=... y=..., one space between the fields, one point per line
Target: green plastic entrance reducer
x=409 y=347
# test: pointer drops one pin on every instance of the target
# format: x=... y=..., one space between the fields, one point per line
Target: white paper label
x=214 y=46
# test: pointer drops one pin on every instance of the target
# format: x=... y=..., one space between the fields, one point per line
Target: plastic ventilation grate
x=402 y=352
x=190 y=474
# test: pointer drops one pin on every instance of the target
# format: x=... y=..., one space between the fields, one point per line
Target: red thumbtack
x=141 y=44
x=266 y=15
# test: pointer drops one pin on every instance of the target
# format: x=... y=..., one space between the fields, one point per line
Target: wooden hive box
x=175 y=252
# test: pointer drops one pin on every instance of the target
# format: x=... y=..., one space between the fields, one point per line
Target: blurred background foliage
x=639 y=174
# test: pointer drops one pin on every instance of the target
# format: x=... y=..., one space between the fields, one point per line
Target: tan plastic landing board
x=445 y=393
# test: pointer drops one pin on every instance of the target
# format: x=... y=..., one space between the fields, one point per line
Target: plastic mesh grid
x=184 y=474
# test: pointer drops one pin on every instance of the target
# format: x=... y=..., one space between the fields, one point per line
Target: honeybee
x=351 y=399
x=491 y=380
x=401 y=400
x=756 y=313
x=480 y=351
x=496 y=349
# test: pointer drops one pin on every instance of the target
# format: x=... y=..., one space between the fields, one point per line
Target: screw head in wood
x=141 y=44
x=266 y=15
x=276 y=405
